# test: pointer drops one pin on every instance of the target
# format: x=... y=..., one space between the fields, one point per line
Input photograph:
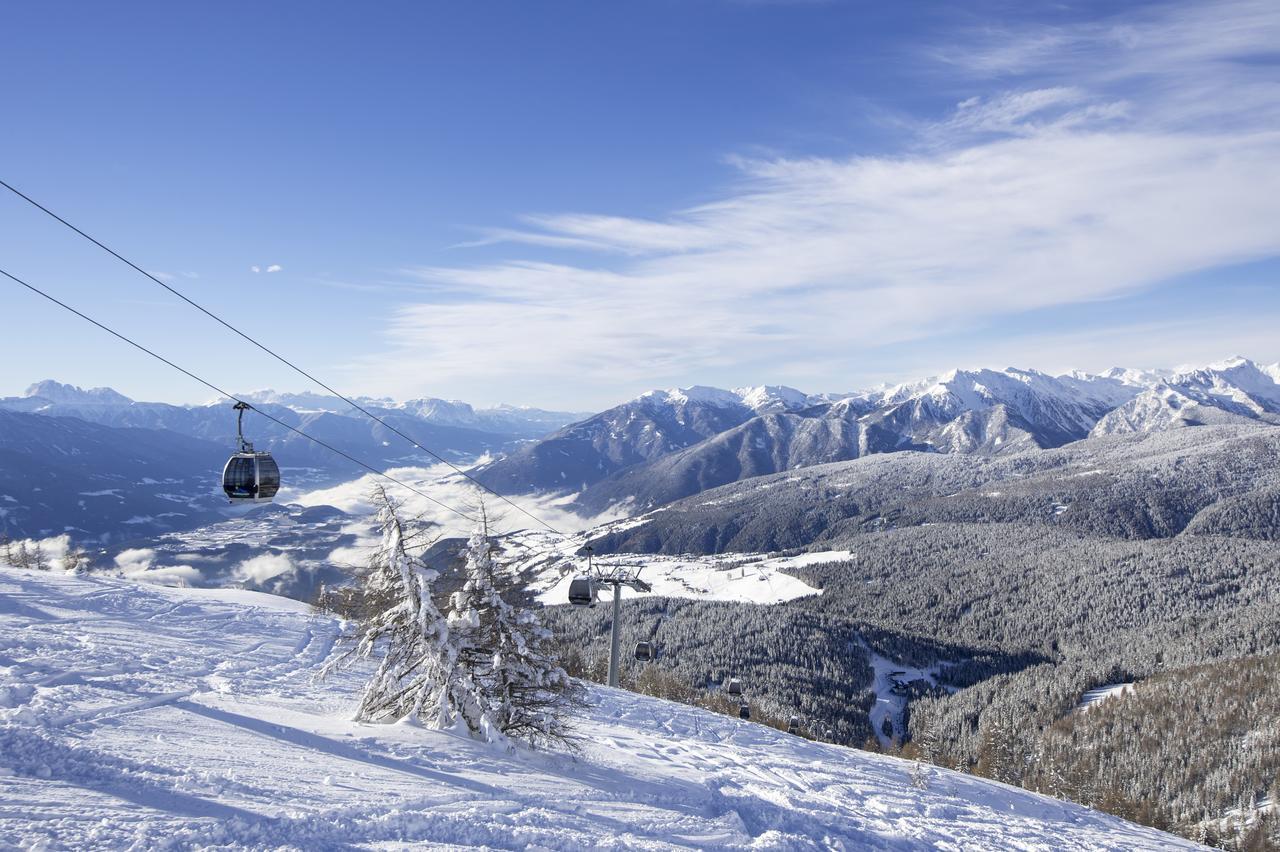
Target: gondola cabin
x=793 y=726
x=249 y=476
x=645 y=652
x=735 y=686
x=582 y=591
x=744 y=712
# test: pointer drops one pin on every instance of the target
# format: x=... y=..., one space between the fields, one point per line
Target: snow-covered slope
x=982 y=412
x=139 y=717
x=649 y=427
x=1232 y=391
x=547 y=562
x=1160 y=409
x=979 y=412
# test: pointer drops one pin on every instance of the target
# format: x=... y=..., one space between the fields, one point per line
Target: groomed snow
x=133 y=716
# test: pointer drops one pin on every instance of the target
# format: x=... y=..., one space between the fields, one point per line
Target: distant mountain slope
x=644 y=429
x=62 y=474
x=517 y=421
x=135 y=717
x=982 y=412
x=1136 y=486
x=326 y=418
x=974 y=412
x=1232 y=391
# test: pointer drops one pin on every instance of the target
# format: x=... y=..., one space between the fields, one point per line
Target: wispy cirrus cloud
x=1094 y=162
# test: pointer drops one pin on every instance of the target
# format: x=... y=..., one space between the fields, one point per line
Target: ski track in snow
x=134 y=716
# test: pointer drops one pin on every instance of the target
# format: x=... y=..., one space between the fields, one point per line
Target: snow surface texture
x=136 y=716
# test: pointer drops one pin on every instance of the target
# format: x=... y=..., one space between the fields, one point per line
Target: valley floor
x=139 y=716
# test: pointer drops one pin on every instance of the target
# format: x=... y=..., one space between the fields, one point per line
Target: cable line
x=221 y=392
x=278 y=357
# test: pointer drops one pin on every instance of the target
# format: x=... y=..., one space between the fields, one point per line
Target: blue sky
x=565 y=204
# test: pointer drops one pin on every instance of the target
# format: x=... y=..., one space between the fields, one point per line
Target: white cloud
x=275 y=267
x=354 y=497
x=139 y=564
x=255 y=269
x=260 y=569
x=1132 y=152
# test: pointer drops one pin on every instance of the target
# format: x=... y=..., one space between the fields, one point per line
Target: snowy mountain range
x=647 y=428
x=516 y=421
x=665 y=445
x=662 y=446
x=1231 y=391
x=109 y=407
x=454 y=429
x=95 y=463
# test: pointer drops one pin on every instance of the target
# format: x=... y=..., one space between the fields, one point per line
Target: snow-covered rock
x=137 y=717
x=70 y=394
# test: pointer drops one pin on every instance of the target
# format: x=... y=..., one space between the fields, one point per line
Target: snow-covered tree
x=506 y=654
x=486 y=666
x=75 y=560
x=417 y=675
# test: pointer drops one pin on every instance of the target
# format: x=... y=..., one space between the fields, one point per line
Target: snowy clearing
x=1103 y=693
x=549 y=563
x=892 y=683
x=141 y=716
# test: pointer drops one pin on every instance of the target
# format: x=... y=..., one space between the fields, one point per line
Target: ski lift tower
x=617 y=577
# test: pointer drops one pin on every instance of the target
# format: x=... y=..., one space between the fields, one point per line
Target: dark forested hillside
x=1024 y=581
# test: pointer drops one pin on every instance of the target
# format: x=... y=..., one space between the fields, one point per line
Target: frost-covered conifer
x=417 y=676
x=507 y=654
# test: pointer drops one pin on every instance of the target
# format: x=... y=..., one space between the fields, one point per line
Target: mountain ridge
x=983 y=411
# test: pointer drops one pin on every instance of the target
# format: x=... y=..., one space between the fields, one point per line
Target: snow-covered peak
x=977 y=389
x=305 y=401
x=766 y=399
x=1237 y=381
x=451 y=411
x=1232 y=363
x=762 y=399
x=695 y=394
x=1136 y=377
x=72 y=395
